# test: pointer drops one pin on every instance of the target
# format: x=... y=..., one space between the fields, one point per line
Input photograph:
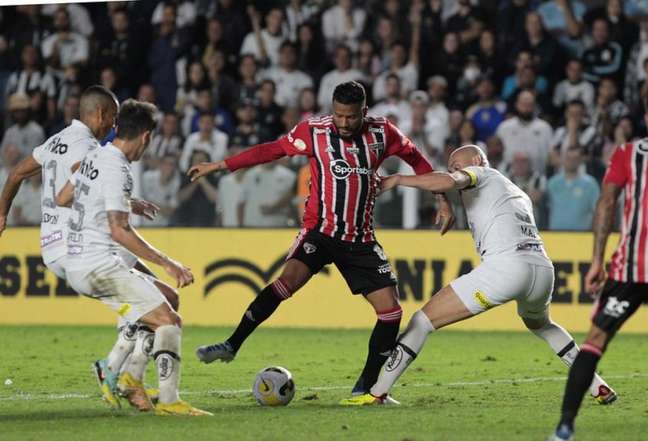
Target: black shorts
x=617 y=303
x=364 y=266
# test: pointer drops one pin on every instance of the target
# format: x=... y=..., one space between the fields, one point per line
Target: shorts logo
x=342 y=170
x=124 y=309
x=384 y=269
x=309 y=248
x=165 y=366
x=394 y=359
x=379 y=251
x=615 y=308
x=482 y=300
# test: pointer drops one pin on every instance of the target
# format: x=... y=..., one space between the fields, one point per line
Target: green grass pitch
x=464 y=386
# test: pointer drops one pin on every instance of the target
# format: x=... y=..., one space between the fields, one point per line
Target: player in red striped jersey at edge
x=345 y=151
x=626 y=286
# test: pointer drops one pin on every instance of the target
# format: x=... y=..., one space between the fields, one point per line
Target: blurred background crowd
x=547 y=88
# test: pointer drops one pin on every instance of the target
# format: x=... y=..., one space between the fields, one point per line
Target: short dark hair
x=134 y=118
x=350 y=92
x=576 y=102
x=96 y=97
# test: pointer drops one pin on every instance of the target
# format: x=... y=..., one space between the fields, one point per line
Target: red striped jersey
x=343 y=172
x=629 y=170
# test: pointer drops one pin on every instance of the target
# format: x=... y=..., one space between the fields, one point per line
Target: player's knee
x=282 y=288
x=535 y=324
x=169 y=317
x=390 y=315
x=596 y=340
x=170 y=294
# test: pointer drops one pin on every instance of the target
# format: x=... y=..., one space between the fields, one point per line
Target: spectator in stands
x=288 y=79
x=25 y=133
x=467 y=83
x=546 y=52
x=26 y=207
x=161 y=186
x=269 y=113
x=248 y=131
x=436 y=88
x=10 y=156
x=623 y=133
x=392 y=102
x=79 y=17
x=564 y=20
x=205 y=104
x=31 y=27
x=467 y=134
x=264 y=43
x=527 y=133
x=467 y=22
x=513 y=83
x=31 y=78
x=622 y=30
x=575 y=133
x=165 y=142
x=571 y=195
x=635 y=72
x=427 y=132
x=490 y=58
x=268 y=193
x=247 y=84
x=298 y=13
x=342 y=73
x=187 y=95
x=449 y=62
x=511 y=25
x=608 y=109
x=110 y=80
x=605 y=57
x=342 y=24
x=64 y=48
x=185 y=13
x=123 y=49
x=307 y=104
x=235 y=22
x=70 y=112
x=309 y=51
x=488 y=112
x=406 y=69
x=216 y=42
x=532 y=182
x=230 y=201
x=170 y=45
x=196 y=200
x=574 y=87
x=367 y=61
x=384 y=35
x=208 y=139
x=223 y=87
x=495 y=153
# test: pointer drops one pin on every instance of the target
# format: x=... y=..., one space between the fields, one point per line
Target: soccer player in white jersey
x=99 y=193
x=55 y=159
x=514 y=266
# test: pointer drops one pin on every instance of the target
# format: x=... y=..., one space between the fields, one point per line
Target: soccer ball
x=274 y=386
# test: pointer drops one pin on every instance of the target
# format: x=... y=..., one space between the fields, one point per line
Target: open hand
x=203 y=169
x=445 y=215
x=179 y=272
x=387 y=183
x=144 y=208
x=595 y=278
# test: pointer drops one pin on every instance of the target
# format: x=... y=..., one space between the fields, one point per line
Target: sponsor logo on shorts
x=384 y=269
x=380 y=252
x=481 y=298
x=394 y=359
x=51 y=238
x=165 y=366
x=309 y=248
x=615 y=308
x=342 y=170
x=124 y=309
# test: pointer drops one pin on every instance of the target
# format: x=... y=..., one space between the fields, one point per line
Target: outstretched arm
x=259 y=154
x=437 y=182
x=26 y=168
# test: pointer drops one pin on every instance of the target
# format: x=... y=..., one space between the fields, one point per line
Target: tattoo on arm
x=119 y=219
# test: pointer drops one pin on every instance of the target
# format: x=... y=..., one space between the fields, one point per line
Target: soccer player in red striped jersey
x=345 y=150
x=626 y=285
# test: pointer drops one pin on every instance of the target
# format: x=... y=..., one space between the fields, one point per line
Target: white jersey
x=500 y=216
x=103 y=183
x=57 y=156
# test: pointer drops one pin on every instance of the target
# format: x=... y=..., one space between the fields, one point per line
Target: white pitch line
x=81 y=396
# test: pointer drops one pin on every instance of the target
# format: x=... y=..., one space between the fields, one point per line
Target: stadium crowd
x=547 y=88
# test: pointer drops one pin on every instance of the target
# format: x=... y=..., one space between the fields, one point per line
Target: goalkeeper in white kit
x=514 y=266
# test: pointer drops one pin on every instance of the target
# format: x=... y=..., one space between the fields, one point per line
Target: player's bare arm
x=123 y=233
x=25 y=169
x=602 y=227
x=205 y=168
x=436 y=182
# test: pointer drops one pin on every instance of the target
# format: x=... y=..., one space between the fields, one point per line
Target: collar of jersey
x=81 y=126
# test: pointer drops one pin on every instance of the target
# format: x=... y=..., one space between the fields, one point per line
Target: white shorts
x=128 y=292
x=58 y=267
x=495 y=282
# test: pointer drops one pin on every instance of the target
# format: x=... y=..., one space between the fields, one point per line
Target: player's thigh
x=170 y=293
x=533 y=307
x=445 y=307
x=617 y=303
x=493 y=283
x=58 y=267
x=126 y=291
x=383 y=298
x=307 y=256
x=366 y=270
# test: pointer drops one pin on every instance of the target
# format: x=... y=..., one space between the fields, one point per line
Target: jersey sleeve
x=297 y=141
x=39 y=152
x=476 y=175
x=400 y=145
x=117 y=188
x=617 y=172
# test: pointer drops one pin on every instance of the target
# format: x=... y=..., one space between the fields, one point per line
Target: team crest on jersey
x=378 y=148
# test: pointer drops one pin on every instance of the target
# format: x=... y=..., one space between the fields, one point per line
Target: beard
x=525 y=116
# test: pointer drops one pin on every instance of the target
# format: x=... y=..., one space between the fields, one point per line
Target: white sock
x=122 y=348
x=408 y=346
x=138 y=360
x=166 y=352
x=564 y=346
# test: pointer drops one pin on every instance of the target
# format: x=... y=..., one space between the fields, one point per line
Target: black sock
x=381 y=342
x=580 y=378
x=259 y=310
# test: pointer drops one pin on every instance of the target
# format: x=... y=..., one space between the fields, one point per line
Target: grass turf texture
x=452 y=392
